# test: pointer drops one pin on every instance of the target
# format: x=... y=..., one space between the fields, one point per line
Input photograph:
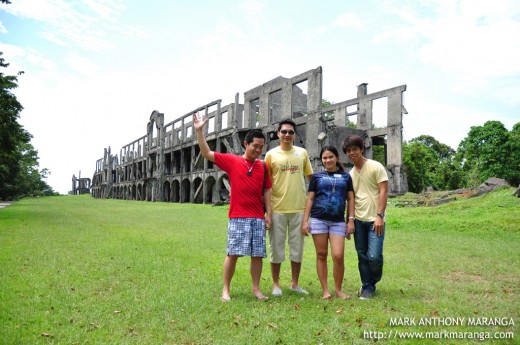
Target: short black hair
x=353 y=140
x=286 y=122
x=252 y=134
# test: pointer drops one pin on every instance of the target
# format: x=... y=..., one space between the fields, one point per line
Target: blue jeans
x=369 y=249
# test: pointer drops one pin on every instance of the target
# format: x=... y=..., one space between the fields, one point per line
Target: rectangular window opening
x=224 y=120
x=275 y=106
x=255 y=111
x=299 y=99
x=379 y=113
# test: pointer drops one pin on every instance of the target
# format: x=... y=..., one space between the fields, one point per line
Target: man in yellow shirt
x=371 y=195
x=288 y=166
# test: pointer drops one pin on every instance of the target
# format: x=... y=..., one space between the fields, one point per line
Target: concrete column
x=340 y=117
x=395 y=134
x=264 y=110
x=314 y=92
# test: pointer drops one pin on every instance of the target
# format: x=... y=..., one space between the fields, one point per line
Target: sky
x=95 y=70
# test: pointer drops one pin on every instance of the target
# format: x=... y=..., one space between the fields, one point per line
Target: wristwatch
x=382 y=215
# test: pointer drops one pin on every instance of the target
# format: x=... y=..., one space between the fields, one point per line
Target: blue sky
x=96 y=69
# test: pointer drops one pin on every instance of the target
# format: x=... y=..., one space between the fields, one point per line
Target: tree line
x=487 y=151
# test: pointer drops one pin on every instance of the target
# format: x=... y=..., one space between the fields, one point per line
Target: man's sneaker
x=277 y=292
x=299 y=290
x=364 y=294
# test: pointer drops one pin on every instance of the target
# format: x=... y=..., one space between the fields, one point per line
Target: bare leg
x=229 y=270
x=321 y=244
x=337 y=247
x=256 y=273
x=275 y=272
x=295 y=270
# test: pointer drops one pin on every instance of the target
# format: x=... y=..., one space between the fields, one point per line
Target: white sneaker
x=298 y=289
x=277 y=292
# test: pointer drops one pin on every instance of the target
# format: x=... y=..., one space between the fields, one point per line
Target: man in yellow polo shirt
x=288 y=166
x=371 y=195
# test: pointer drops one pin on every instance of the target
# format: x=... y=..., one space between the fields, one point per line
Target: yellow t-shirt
x=366 y=189
x=288 y=170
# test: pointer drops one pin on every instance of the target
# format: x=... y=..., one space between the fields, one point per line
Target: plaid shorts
x=246 y=237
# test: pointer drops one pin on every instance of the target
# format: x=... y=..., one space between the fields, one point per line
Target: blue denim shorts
x=319 y=226
x=246 y=237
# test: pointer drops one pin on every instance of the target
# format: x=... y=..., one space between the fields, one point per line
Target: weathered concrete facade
x=166 y=163
x=80 y=185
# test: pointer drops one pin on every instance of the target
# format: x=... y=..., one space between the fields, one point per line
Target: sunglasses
x=284 y=131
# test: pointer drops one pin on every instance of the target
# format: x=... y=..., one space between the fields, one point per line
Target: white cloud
x=467 y=38
x=87 y=25
x=52 y=37
x=12 y=55
x=39 y=60
x=470 y=43
x=506 y=90
x=10 y=51
x=252 y=7
x=462 y=45
x=42 y=10
x=82 y=65
x=107 y=10
x=349 y=20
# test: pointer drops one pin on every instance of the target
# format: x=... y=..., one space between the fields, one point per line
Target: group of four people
x=288 y=210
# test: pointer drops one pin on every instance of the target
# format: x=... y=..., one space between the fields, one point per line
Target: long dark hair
x=334 y=150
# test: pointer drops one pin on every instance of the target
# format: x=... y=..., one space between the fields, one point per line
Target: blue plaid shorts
x=246 y=237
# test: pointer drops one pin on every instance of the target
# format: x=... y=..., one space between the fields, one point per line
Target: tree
x=442 y=150
x=491 y=151
x=514 y=148
x=19 y=174
x=444 y=172
x=428 y=162
x=417 y=160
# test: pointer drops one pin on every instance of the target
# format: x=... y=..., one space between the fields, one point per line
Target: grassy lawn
x=76 y=270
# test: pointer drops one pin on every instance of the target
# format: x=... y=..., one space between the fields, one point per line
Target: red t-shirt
x=246 y=191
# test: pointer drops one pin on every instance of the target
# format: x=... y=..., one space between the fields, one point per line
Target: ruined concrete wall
x=80 y=185
x=166 y=163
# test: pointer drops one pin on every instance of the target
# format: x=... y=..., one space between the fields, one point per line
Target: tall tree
x=491 y=151
x=443 y=151
x=19 y=174
x=428 y=162
x=513 y=175
x=417 y=160
x=444 y=173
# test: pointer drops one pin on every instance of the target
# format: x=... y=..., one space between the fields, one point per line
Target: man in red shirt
x=247 y=222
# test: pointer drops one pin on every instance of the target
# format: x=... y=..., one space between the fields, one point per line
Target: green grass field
x=76 y=270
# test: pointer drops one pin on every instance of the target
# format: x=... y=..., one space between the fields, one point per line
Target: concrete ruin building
x=166 y=164
x=80 y=185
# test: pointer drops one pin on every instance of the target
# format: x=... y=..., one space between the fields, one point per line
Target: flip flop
x=262 y=298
